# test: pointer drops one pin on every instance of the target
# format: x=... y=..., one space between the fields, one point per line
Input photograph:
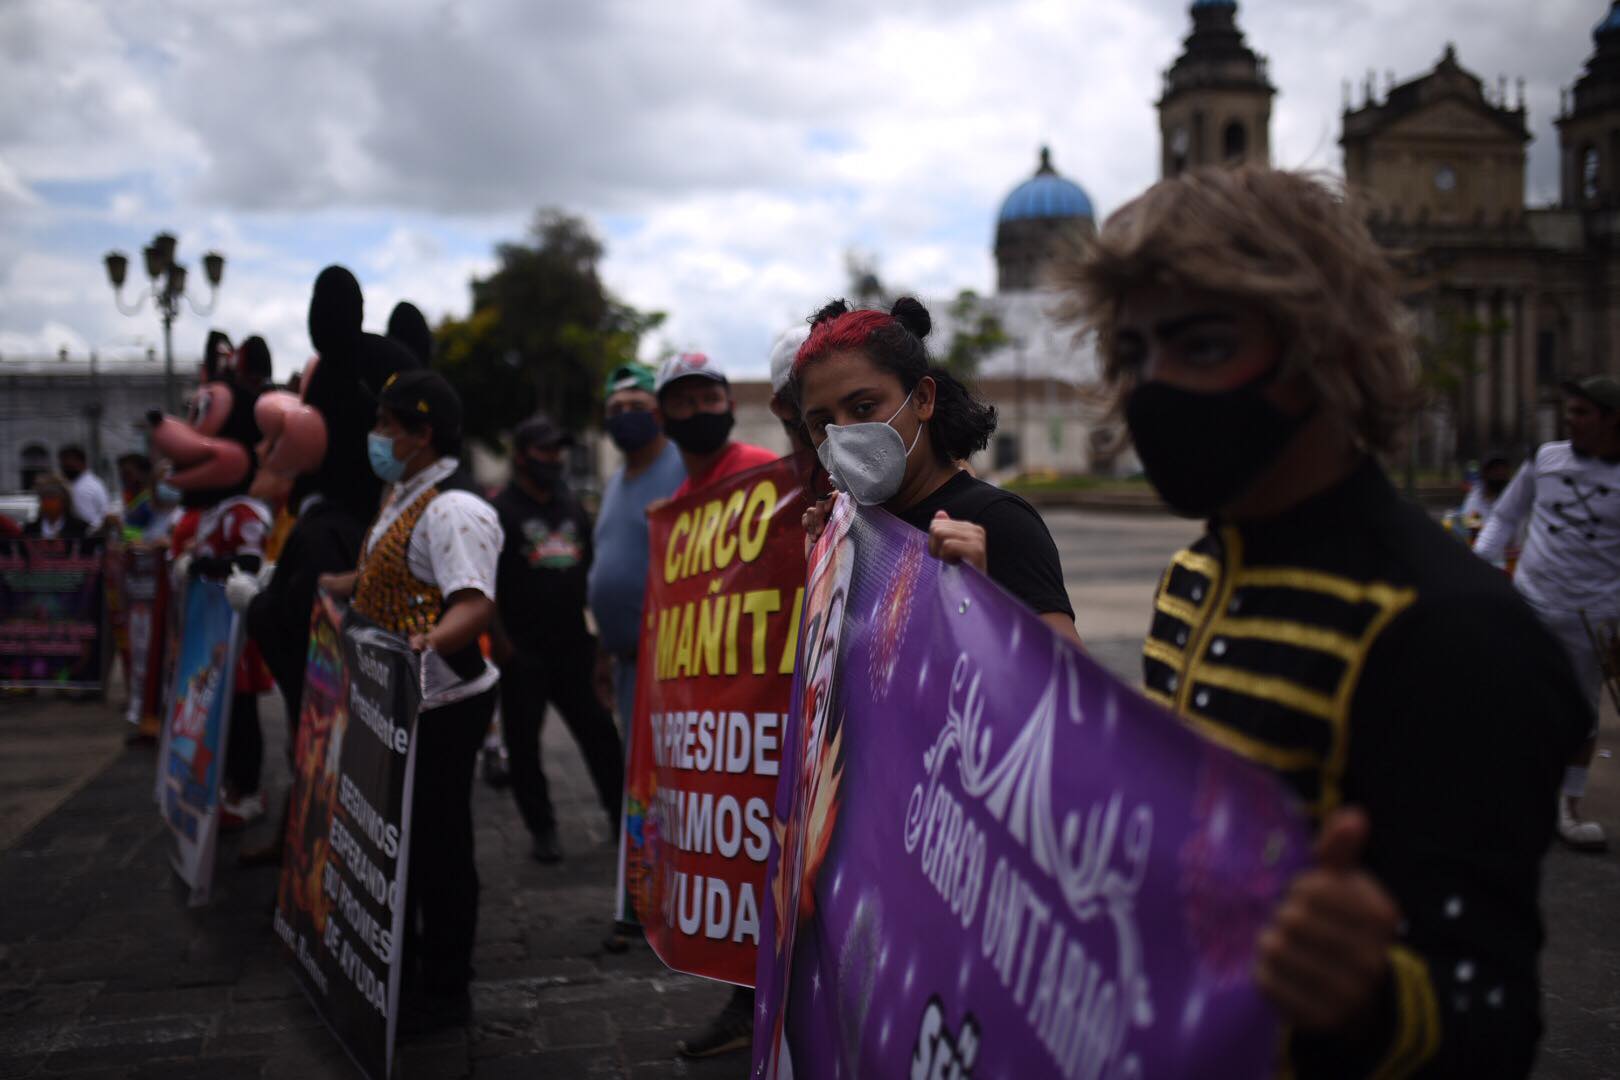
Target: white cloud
x=737 y=147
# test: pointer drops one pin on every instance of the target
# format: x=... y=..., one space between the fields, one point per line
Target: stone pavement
x=45 y=755
x=104 y=972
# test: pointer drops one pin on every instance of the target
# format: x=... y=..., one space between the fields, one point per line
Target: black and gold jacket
x=1367 y=658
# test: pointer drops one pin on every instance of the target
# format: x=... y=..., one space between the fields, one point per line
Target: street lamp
x=167 y=288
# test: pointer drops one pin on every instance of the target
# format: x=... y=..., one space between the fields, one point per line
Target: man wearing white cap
x=694 y=397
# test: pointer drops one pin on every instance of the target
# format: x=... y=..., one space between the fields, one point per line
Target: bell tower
x=1216 y=104
x=1589 y=124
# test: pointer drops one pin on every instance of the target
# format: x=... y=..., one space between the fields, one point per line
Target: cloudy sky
x=728 y=152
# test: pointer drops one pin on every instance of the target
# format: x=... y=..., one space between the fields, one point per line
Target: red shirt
x=735 y=458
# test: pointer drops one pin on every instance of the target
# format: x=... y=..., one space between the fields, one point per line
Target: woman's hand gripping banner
x=724 y=588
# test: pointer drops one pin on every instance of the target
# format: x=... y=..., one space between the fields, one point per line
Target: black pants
x=566 y=680
x=441 y=892
x=244 y=746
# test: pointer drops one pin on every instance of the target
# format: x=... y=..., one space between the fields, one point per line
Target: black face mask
x=1493 y=488
x=1201 y=451
x=630 y=431
x=700 y=433
x=545 y=475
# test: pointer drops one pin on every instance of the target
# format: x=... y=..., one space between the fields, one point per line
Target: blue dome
x=1046 y=195
x=1611 y=21
x=1214 y=3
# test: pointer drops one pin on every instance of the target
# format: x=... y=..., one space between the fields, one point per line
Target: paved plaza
x=104 y=972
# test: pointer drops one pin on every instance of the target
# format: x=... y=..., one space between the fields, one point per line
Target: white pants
x=1570 y=631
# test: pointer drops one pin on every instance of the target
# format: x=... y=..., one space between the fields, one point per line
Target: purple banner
x=993 y=858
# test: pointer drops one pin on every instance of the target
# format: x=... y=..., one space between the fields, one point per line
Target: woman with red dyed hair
x=893 y=430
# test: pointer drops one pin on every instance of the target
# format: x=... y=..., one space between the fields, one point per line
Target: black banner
x=52 y=616
x=341 y=903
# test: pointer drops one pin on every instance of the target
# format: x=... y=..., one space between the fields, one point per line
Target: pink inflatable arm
x=294 y=434
x=200 y=461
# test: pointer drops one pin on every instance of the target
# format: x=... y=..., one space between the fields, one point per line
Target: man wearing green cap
x=651 y=472
x=1569 y=492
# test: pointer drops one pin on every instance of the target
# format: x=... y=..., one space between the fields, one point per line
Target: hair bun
x=831 y=310
x=910 y=313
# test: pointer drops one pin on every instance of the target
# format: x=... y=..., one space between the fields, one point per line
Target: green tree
x=542 y=334
x=978 y=333
x=1448 y=359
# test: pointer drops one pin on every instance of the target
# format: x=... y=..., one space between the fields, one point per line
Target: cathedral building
x=1508 y=300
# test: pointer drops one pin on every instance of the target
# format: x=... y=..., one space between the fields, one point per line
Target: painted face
x=1209 y=405
x=1191 y=340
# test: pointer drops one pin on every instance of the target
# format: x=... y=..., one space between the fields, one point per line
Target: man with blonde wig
x=1330 y=632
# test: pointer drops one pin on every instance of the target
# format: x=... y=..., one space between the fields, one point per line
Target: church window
x=35 y=460
x=1591 y=172
x=1006 y=451
x=1445 y=179
x=1546 y=357
x=1234 y=141
x=1180 y=143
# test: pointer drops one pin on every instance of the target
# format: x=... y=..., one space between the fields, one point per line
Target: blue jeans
x=624 y=692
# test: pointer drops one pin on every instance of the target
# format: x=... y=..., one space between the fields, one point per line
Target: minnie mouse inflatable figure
x=213 y=455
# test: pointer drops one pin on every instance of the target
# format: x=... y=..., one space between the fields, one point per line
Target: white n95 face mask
x=867 y=460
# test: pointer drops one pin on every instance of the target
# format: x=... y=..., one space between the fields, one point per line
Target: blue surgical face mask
x=868 y=460
x=380 y=449
x=166 y=493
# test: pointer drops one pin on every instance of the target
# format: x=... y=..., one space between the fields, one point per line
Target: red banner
x=725 y=586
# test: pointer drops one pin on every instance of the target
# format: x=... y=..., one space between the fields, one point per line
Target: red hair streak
x=851 y=330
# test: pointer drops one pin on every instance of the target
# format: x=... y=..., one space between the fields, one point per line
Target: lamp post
x=167 y=288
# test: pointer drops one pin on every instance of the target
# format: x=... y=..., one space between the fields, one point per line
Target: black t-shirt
x=540 y=586
x=1020 y=554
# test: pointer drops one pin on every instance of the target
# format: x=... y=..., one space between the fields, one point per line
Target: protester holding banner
x=652 y=470
x=548 y=655
x=1331 y=632
x=694 y=400
x=428 y=571
x=617 y=585
x=869 y=392
x=56 y=519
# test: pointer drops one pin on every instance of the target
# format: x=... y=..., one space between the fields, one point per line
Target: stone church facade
x=1508 y=300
